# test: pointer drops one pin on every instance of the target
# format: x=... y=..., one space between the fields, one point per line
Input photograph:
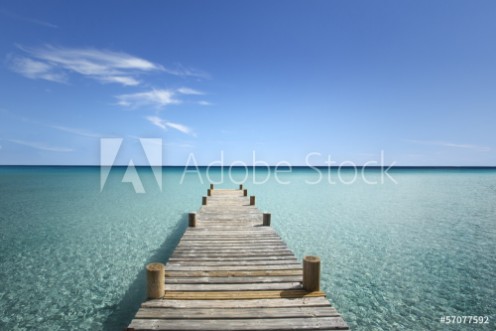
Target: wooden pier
x=232 y=271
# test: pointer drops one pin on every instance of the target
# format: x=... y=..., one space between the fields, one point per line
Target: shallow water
x=396 y=256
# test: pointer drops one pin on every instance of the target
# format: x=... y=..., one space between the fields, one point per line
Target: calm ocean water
x=396 y=256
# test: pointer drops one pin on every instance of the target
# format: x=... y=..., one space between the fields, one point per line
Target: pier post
x=245 y=192
x=240 y=186
x=211 y=186
x=209 y=192
x=155 y=280
x=266 y=219
x=252 y=200
x=204 y=201
x=192 y=220
x=311 y=273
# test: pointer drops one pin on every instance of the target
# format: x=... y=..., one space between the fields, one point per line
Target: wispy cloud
x=102 y=65
x=156 y=98
x=180 y=70
x=450 y=144
x=41 y=146
x=189 y=91
x=105 y=66
x=79 y=132
x=27 y=19
x=164 y=124
x=37 y=70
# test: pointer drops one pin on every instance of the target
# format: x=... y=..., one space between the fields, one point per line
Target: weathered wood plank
x=228 y=263
x=313 y=323
x=231 y=254
x=232 y=280
x=230 y=313
x=253 y=258
x=233 y=287
x=227 y=248
x=223 y=244
x=243 y=267
x=240 y=295
x=239 y=303
x=236 y=234
x=230 y=273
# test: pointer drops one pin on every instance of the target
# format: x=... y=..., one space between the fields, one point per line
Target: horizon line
x=258 y=166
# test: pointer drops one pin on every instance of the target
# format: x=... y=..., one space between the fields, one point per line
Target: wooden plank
x=239 y=255
x=235 y=234
x=237 y=244
x=203 y=241
x=252 y=230
x=240 y=295
x=230 y=273
x=195 y=261
x=232 y=280
x=243 y=267
x=239 y=303
x=235 y=249
x=233 y=287
x=230 y=313
x=252 y=258
x=313 y=323
x=231 y=252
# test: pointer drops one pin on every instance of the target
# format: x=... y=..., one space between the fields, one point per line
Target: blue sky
x=281 y=79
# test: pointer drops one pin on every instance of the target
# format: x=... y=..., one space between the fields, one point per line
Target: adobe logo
x=109 y=149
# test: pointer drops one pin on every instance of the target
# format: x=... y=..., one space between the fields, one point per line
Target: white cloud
x=156 y=98
x=37 y=70
x=127 y=81
x=157 y=121
x=182 y=71
x=180 y=127
x=41 y=146
x=189 y=91
x=450 y=144
x=164 y=124
x=103 y=65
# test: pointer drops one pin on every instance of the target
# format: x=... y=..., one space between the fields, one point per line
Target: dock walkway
x=230 y=272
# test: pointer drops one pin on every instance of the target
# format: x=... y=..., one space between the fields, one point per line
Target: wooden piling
x=155 y=280
x=204 y=201
x=266 y=219
x=245 y=192
x=240 y=186
x=311 y=273
x=192 y=220
x=211 y=186
x=252 y=200
x=209 y=192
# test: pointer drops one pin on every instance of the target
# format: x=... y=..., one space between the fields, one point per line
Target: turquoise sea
x=397 y=255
